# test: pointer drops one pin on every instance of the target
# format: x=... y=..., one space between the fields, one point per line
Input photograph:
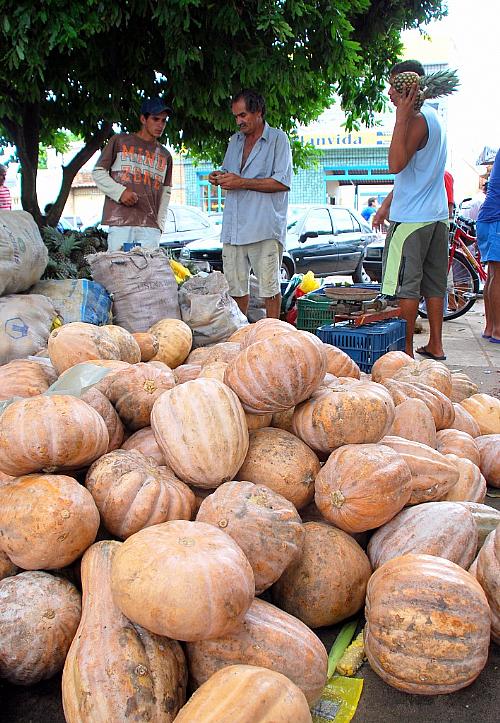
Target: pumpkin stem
x=338 y=498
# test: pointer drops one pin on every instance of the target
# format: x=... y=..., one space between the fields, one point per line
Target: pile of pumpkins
x=265 y=463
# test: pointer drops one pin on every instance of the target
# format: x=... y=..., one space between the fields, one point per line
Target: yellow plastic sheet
x=339 y=700
x=309 y=283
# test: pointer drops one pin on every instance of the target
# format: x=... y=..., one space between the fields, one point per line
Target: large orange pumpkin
x=187 y=372
x=413 y=420
x=200 y=427
x=46 y=521
x=265 y=525
x=134 y=670
x=175 y=340
x=489 y=457
x=354 y=414
x=362 y=486
x=246 y=694
x=485 y=517
x=7 y=567
x=133 y=392
x=432 y=373
x=186 y=580
x=432 y=473
x=148 y=344
x=263 y=329
x=443 y=529
x=452 y=441
x=439 y=405
x=464 y=421
x=471 y=485
x=488 y=576
x=24 y=378
x=462 y=387
x=39 y=615
x=55 y=432
x=386 y=366
x=427 y=625
x=282 y=462
x=132 y=492
x=486 y=411
x=339 y=363
x=129 y=348
x=78 y=342
x=327 y=583
x=268 y=638
x=275 y=374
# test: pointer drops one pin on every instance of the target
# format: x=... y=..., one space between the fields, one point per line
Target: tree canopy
x=86 y=66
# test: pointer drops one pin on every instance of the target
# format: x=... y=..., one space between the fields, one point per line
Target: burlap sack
x=208 y=310
x=25 y=322
x=77 y=299
x=23 y=255
x=141 y=284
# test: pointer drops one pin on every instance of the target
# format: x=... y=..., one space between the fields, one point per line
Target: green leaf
x=342 y=641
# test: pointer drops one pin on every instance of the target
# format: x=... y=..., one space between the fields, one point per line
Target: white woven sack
x=23 y=255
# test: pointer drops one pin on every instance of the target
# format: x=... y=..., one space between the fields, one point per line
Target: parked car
x=372 y=263
x=325 y=239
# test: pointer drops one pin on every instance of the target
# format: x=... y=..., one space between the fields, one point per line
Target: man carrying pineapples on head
x=415 y=261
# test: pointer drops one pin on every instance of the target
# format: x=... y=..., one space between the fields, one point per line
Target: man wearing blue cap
x=134 y=171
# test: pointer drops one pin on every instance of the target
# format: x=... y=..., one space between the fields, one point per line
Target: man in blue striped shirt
x=256 y=176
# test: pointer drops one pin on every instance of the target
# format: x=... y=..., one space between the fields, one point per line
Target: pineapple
x=434 y=85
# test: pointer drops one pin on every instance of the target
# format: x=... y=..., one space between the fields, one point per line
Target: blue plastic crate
x=365 y=344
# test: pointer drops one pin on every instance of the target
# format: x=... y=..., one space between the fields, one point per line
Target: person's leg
x=434 y=286
x=118 y=235
x=434 y=306
x=236 y=267
x=265 y=259
x=494 y=298
x=149 y=238
x=408 y=309
x=488 y=323
x=488 y=235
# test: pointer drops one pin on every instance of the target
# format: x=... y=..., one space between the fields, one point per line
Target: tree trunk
x=26 y=137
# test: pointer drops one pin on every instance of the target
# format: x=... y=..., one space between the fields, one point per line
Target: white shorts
x=147 y=237
x=262 y=257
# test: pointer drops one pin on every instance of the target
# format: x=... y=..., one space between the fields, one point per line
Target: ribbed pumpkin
x=362 y=486
x=488 y=576
x=46 y=521
x=485 y=517
x=257 y=421
x=148 y=344
x=39 y=615
x=486 y=411
x=471 y=485
x=386 y=366
x=226 y=351
x=132 y=492
x=413 y=420
x=175 y=340
x=432 y=373
x=50 y=432
x=187 y=372
x=268 y=638
x=129 y=348
x=327 y=584
x=134 y=670
x=443 y=529
x=462 y=387
x=282 y=462
x=133 y=392
x=264 y=524
x=214 y=370
x=432 y=474
x=186 y=580
x=357 y=414
x=98 y=401
x=427 y=625
x=275 y=374
x=238 y=335
x=246 y=694
x=7 y=567
x=144 y=441
x=439 y=405
x=78 y=342
x=452 y=441
x=264 y=329
x=339 y=363
x=464 y=421
x=489 y=457
x=24 y=378
x=200 y=427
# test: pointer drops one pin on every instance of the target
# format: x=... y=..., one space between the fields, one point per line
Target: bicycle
x=465 y=271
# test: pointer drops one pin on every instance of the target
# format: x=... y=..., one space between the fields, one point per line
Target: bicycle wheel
x=463 y=286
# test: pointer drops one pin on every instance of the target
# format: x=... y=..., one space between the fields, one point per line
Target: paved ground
x=379 y=703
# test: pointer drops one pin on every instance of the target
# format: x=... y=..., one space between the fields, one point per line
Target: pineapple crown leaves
x=443 y=82
x=60 y=243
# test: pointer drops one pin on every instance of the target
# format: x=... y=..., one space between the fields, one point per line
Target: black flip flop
x=423 y=352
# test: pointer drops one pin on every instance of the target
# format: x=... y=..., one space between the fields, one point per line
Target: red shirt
x=448 y=184
x=5 y=199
